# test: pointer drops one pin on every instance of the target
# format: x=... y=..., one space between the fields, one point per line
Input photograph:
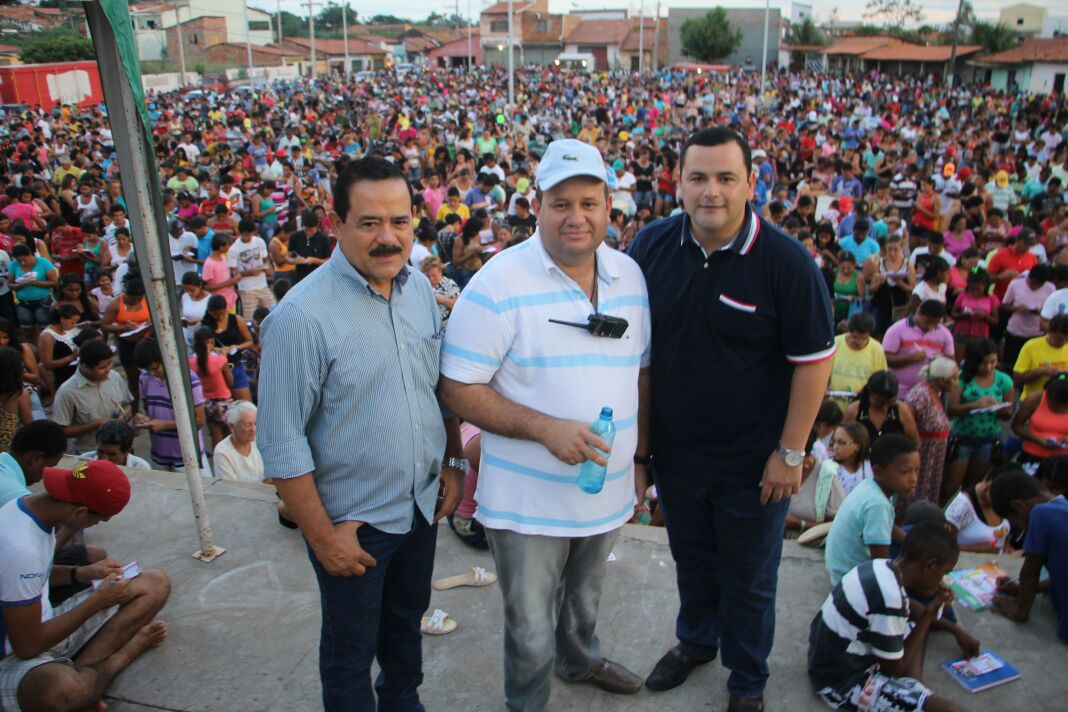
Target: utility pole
x=311 y=33
x=181 y=47
x=470 y=55
x=345 y=33
x=248 y=36
x=764 y=56
x=511 y=60
x=656 y=39
x=641 y=38
x=951 y=66
x=279 y=6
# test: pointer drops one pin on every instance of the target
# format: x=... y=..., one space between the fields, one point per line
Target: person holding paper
x=128 y=317
x=976 y=426
x=91 y=397
x=64 y=658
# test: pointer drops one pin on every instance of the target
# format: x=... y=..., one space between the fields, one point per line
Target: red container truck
x=48 y=84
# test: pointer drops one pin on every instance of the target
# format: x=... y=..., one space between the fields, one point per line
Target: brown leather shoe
x=613 y=677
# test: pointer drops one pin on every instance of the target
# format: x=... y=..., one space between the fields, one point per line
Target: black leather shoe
x=672 y=670
x=746 y=704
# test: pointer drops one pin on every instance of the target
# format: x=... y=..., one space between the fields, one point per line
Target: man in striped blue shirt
x=351 y=432
x=534 y=387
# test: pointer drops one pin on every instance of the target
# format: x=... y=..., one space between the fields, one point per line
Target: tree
x=894 y=13
x=710 y=37
x=329 y=18
x=805 y=33
x=56 y=46
x=386 y=20
x=993 y=37
x=292 y=25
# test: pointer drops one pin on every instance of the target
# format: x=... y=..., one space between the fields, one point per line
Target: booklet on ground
x=982 y=672
x=975 y=588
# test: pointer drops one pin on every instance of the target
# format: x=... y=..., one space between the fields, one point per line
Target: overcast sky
x=938 y=11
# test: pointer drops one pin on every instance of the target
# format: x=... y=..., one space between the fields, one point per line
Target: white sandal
x=439 y=623
x=476 y=577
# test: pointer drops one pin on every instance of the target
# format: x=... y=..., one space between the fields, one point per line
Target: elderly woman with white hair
x=926 y=399
x=236 y=456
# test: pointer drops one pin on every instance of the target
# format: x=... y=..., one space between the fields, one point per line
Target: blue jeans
x=726 y=547
x=377 y=615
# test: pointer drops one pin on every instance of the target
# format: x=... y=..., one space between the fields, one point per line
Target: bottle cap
x=606 y=413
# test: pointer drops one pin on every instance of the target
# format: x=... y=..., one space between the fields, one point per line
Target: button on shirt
x=347 y=392
x=499 y=334
x=728 y=330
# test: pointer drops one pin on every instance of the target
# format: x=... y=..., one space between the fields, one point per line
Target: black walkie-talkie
x=612 y=327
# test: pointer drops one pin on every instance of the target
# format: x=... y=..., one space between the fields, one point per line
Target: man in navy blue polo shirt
x=742 y=340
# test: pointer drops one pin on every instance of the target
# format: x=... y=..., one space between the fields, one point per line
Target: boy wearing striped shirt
x=868 y=640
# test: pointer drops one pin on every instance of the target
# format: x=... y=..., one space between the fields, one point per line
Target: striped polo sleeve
x=479 y=336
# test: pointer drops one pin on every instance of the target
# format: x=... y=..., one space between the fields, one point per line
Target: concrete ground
x=244 y=629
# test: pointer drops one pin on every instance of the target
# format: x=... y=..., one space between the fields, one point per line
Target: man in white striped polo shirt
x=534 y=387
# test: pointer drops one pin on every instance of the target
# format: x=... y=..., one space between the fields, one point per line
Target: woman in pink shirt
x=213 y=368
x=218 y=279
x=975 y=311
x=1025 y=298
x=958 y=237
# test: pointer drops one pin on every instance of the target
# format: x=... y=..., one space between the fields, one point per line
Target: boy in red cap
x=65 y=658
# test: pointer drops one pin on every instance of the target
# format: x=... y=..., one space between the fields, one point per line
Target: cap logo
x=570 y=157
x=78 y=472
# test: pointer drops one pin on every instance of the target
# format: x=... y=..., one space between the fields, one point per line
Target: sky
x=938 y=11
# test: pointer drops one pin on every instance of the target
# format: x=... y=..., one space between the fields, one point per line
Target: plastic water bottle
x=591 y=476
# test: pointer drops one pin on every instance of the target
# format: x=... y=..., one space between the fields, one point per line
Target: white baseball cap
x=760 y=153
x=568 y=158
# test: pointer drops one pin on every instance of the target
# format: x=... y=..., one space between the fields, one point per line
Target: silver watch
x=792 y=458
x=457 y=463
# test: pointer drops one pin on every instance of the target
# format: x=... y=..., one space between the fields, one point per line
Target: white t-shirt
x=944 y=254
x=193 y=309
x=232 y=465
x=1056 y=303
x=925 y=293
x=499 y=334
x=249 y=255
x=186 y=243
x=624 y=199
x=971 y=531
x=419 y=253
x=26 y=550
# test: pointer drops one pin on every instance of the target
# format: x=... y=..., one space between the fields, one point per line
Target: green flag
x=118 y=14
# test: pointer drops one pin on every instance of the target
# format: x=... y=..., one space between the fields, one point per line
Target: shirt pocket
x=426 y=357
x=737 y=320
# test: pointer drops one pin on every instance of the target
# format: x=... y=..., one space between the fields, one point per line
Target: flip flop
x=438 y=624
x=816 y=535
x=476 y=576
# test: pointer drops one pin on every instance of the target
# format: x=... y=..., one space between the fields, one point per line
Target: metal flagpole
x=140 y=185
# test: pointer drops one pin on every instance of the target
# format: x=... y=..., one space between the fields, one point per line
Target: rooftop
x=1032 y=50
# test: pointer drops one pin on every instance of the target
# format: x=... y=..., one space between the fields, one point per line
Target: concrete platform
x=244 y=629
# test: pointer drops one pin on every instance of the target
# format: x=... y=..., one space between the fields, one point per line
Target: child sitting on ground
x=827 y=419
x=861 y=652
x=1027 y=505
x=864 y=524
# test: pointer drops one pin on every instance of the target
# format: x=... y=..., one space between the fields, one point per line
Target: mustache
x=385 y=250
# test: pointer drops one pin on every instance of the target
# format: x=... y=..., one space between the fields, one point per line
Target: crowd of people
x=906 y=254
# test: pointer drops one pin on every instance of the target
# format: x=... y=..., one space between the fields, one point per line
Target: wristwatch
x=457 y=463
x=792 y=458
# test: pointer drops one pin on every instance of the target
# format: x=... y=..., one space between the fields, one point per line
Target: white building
x=151 y=21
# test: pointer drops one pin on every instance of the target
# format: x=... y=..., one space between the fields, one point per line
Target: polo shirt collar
x=742 y=243
x=344 y=268
x=606 y=267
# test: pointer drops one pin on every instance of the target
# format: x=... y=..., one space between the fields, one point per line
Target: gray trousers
x=551 y=588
